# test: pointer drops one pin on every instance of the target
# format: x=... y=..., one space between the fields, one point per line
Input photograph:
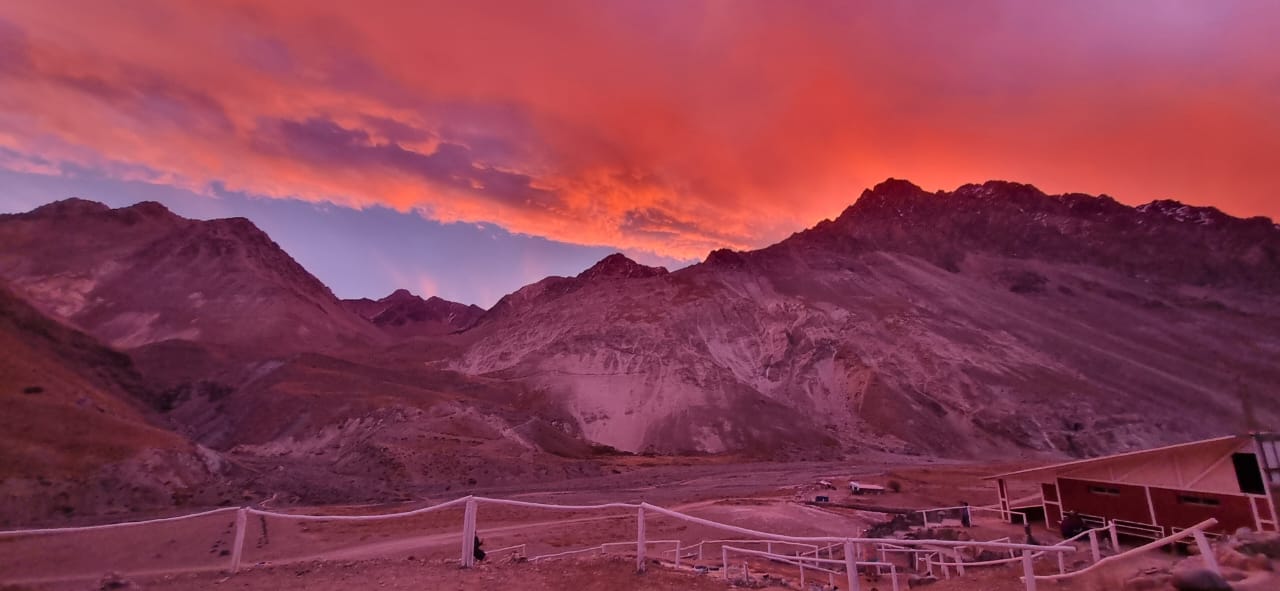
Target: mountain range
x=986 y=322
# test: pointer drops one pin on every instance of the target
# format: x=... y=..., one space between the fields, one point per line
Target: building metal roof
x=1054 y=469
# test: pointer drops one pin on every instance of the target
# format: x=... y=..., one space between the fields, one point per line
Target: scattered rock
x=945 y=533
x=920 y=581
x=985 y=556
x=1232 y=575
x=1230 y=558
x=114 y=582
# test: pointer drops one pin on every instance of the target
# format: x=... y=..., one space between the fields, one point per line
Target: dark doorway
x=1248 y=475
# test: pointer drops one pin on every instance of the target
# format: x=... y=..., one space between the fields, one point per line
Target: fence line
x=303 y=517
x=62 y=530
x=800 y=562
x=924 y=513
x=855 y=540
x=1196 y=531
x=851 y=545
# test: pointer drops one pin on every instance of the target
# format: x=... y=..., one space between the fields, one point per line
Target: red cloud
x=673 y=128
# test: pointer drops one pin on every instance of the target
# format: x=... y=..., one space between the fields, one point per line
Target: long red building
x=1155 y=492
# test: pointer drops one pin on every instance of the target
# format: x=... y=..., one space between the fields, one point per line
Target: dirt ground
x=599 y=574
x=415 y=552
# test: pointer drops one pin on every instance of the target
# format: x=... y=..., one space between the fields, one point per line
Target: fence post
x=1115 y=538
x=1093 y=546
x=677 y=553
x=724 y=561
x=640 y=543
x=1028 y=571
x=851 y=566
x=1062 y=563
x=469 y=534
x=237 y=545
x=1206 y=551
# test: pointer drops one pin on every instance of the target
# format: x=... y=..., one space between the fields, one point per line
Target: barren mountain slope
x=972 y=322
x=319 y=428
x=141 y=274
x=74 y=435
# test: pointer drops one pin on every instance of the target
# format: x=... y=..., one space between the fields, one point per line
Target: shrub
x=895 y=486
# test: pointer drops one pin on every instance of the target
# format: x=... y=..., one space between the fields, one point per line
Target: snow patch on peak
x=1180 y=212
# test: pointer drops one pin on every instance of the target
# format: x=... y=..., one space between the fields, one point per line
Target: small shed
x=862 y=488
x=1157 y=491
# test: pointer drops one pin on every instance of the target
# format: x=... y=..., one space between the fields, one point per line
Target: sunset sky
x=463 y=149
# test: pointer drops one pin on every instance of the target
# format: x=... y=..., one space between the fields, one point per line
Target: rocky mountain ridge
x=985 y=322
x=404 y=313
x=141 y=274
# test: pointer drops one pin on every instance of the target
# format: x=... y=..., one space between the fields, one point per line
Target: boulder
x=1264 y=543
x=920 y=581
x=1199 y=579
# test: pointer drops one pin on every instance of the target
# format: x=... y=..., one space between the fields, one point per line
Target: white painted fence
x=850 y=546
x=1196 y=531
x=943 y=512
x=812 y=563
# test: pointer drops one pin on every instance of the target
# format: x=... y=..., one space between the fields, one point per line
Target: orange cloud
x=672 y=128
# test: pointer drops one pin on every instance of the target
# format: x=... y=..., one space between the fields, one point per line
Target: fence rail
x=807 y=555
x=1196 y=531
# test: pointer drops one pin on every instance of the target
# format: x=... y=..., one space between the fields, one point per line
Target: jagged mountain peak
x=86 y=208
x=618 y=265
x=70 y=206
x=725 y=258
x=405 y=314
x=998 y=190
x=1181 y=212
x=400 y=295
x=1163 y=240
x=149 y=209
